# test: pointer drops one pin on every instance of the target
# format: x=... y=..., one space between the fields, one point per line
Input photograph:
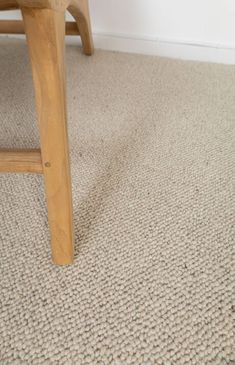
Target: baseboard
x=180 y=49
x=188 y=50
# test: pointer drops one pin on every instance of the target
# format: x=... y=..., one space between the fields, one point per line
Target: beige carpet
x=151 y=147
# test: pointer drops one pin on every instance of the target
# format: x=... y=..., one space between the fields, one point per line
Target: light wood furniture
x=45 y=26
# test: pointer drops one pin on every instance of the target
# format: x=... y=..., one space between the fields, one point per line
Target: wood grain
x=80 y=11
x=17 y=27
x=78 y=8
x=45 y=32
x=8 y=4
x=21 y=161
x=44 y=25
x=58 y=5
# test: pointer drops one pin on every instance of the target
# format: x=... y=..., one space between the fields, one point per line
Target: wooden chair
x=45 y=26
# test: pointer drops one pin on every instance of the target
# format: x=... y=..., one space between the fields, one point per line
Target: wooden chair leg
x=45 y=32
x=80 y=11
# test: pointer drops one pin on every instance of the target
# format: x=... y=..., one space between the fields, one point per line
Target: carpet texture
x=152 y=144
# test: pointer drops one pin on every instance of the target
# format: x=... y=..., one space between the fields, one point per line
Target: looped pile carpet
x=152 y=144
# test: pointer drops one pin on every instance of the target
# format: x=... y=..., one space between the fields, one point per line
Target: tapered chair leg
x=45 y=31
x=80 y=11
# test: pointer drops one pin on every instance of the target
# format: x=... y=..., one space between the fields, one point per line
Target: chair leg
x=45 y=32
x=80 y=11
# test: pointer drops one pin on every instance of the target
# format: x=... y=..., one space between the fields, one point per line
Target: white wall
x=190 y=29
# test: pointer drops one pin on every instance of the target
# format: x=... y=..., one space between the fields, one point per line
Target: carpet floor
x=152 y=142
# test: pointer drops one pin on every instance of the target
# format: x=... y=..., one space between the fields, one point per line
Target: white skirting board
x=187 y=50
